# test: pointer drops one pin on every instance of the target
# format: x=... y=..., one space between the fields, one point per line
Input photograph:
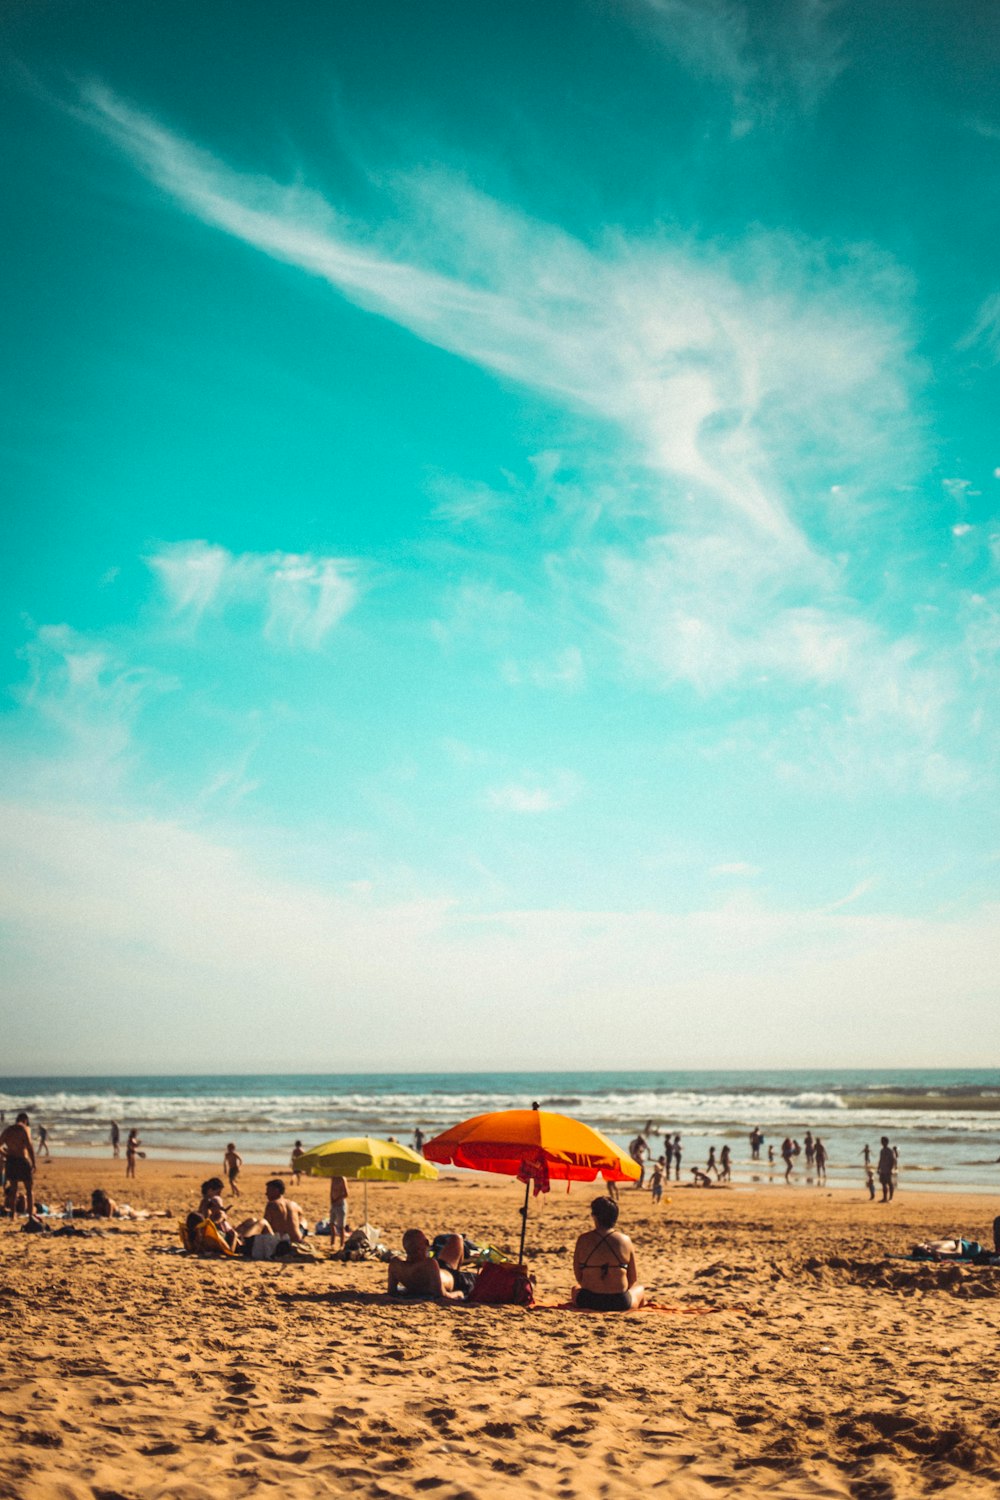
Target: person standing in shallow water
x=819 y=1154
x=678 y=1152
x=131 y=1151
x=886 y=1168
x=115 y=1137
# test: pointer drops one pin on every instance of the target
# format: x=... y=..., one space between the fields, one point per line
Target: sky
x=501 y=534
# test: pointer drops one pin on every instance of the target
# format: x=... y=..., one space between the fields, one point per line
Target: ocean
x=946 y=1123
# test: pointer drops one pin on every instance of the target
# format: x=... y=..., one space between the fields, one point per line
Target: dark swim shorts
x=603 y=1301
x=19 y=1170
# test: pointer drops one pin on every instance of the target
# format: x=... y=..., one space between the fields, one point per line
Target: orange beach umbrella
x=533 y=1145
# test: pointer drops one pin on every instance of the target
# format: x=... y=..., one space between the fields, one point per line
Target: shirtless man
x=338 y=1211
x=282 y=1215
x=232 y=1161
x=20 y=1164
x=421 y=1276
x=886 y=1167
x=604 y=1264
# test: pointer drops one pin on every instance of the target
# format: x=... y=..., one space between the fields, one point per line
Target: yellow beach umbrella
x=365 y=1158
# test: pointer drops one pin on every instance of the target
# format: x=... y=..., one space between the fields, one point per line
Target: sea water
x=946 y=1124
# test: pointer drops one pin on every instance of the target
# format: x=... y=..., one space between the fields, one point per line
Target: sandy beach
x=786 y=1355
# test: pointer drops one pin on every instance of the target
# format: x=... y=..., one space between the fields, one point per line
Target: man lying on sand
x=421 y=1276
x=604 y=1264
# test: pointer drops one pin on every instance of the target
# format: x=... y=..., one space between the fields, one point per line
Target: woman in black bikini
x=604 y=1264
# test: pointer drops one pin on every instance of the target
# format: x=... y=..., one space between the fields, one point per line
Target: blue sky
x=501 y=534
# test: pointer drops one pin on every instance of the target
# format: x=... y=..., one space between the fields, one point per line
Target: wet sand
x=788 y=1358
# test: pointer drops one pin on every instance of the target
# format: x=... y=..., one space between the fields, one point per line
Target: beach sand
x=790 y=1358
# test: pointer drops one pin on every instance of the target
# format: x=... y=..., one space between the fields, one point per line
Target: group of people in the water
x=718 y=1167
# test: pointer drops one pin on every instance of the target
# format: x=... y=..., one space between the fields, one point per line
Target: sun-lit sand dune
x=787 y=1357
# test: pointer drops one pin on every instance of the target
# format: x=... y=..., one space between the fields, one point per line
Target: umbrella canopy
x=365 y=1158
x=508 y=1139
x=533 y=1145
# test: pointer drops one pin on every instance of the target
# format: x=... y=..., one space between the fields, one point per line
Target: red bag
x=504 y=1283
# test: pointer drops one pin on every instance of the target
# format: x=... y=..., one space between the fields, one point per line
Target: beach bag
x=507 y=1283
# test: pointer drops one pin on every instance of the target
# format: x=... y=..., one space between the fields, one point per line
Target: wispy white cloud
x=85 y=691
x=766 y=56
x=530 y=795
x=984 y=334
x=563 y=670
x=738 y=868
x=705 y=364
x=301 y=597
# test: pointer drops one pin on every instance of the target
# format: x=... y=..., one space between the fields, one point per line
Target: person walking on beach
x=870 y=1182
x=232 y=1161
x=43 y=1142
x=677 y=1157
x=711 y=1165
x=19 y=1165
x=668 y=1152
x=115 y=1137
x=788 y=1156
x=656 y=1182
x=338 y=1211
x=725 y=1165
x=886 y=1167
x=292 y=1165
x=132 y=1151
x=819 y=1154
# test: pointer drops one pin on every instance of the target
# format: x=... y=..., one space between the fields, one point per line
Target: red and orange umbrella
x=533 y=1145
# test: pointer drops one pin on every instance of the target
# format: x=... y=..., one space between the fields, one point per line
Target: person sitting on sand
x=101 y=1206
x=19 y=1165
x=701 y=1179
x=282 y=1215
x=604 y=1264
x=421 y=1276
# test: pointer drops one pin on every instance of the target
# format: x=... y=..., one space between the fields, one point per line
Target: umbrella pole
x=366 y=1199
x=524 y=1223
